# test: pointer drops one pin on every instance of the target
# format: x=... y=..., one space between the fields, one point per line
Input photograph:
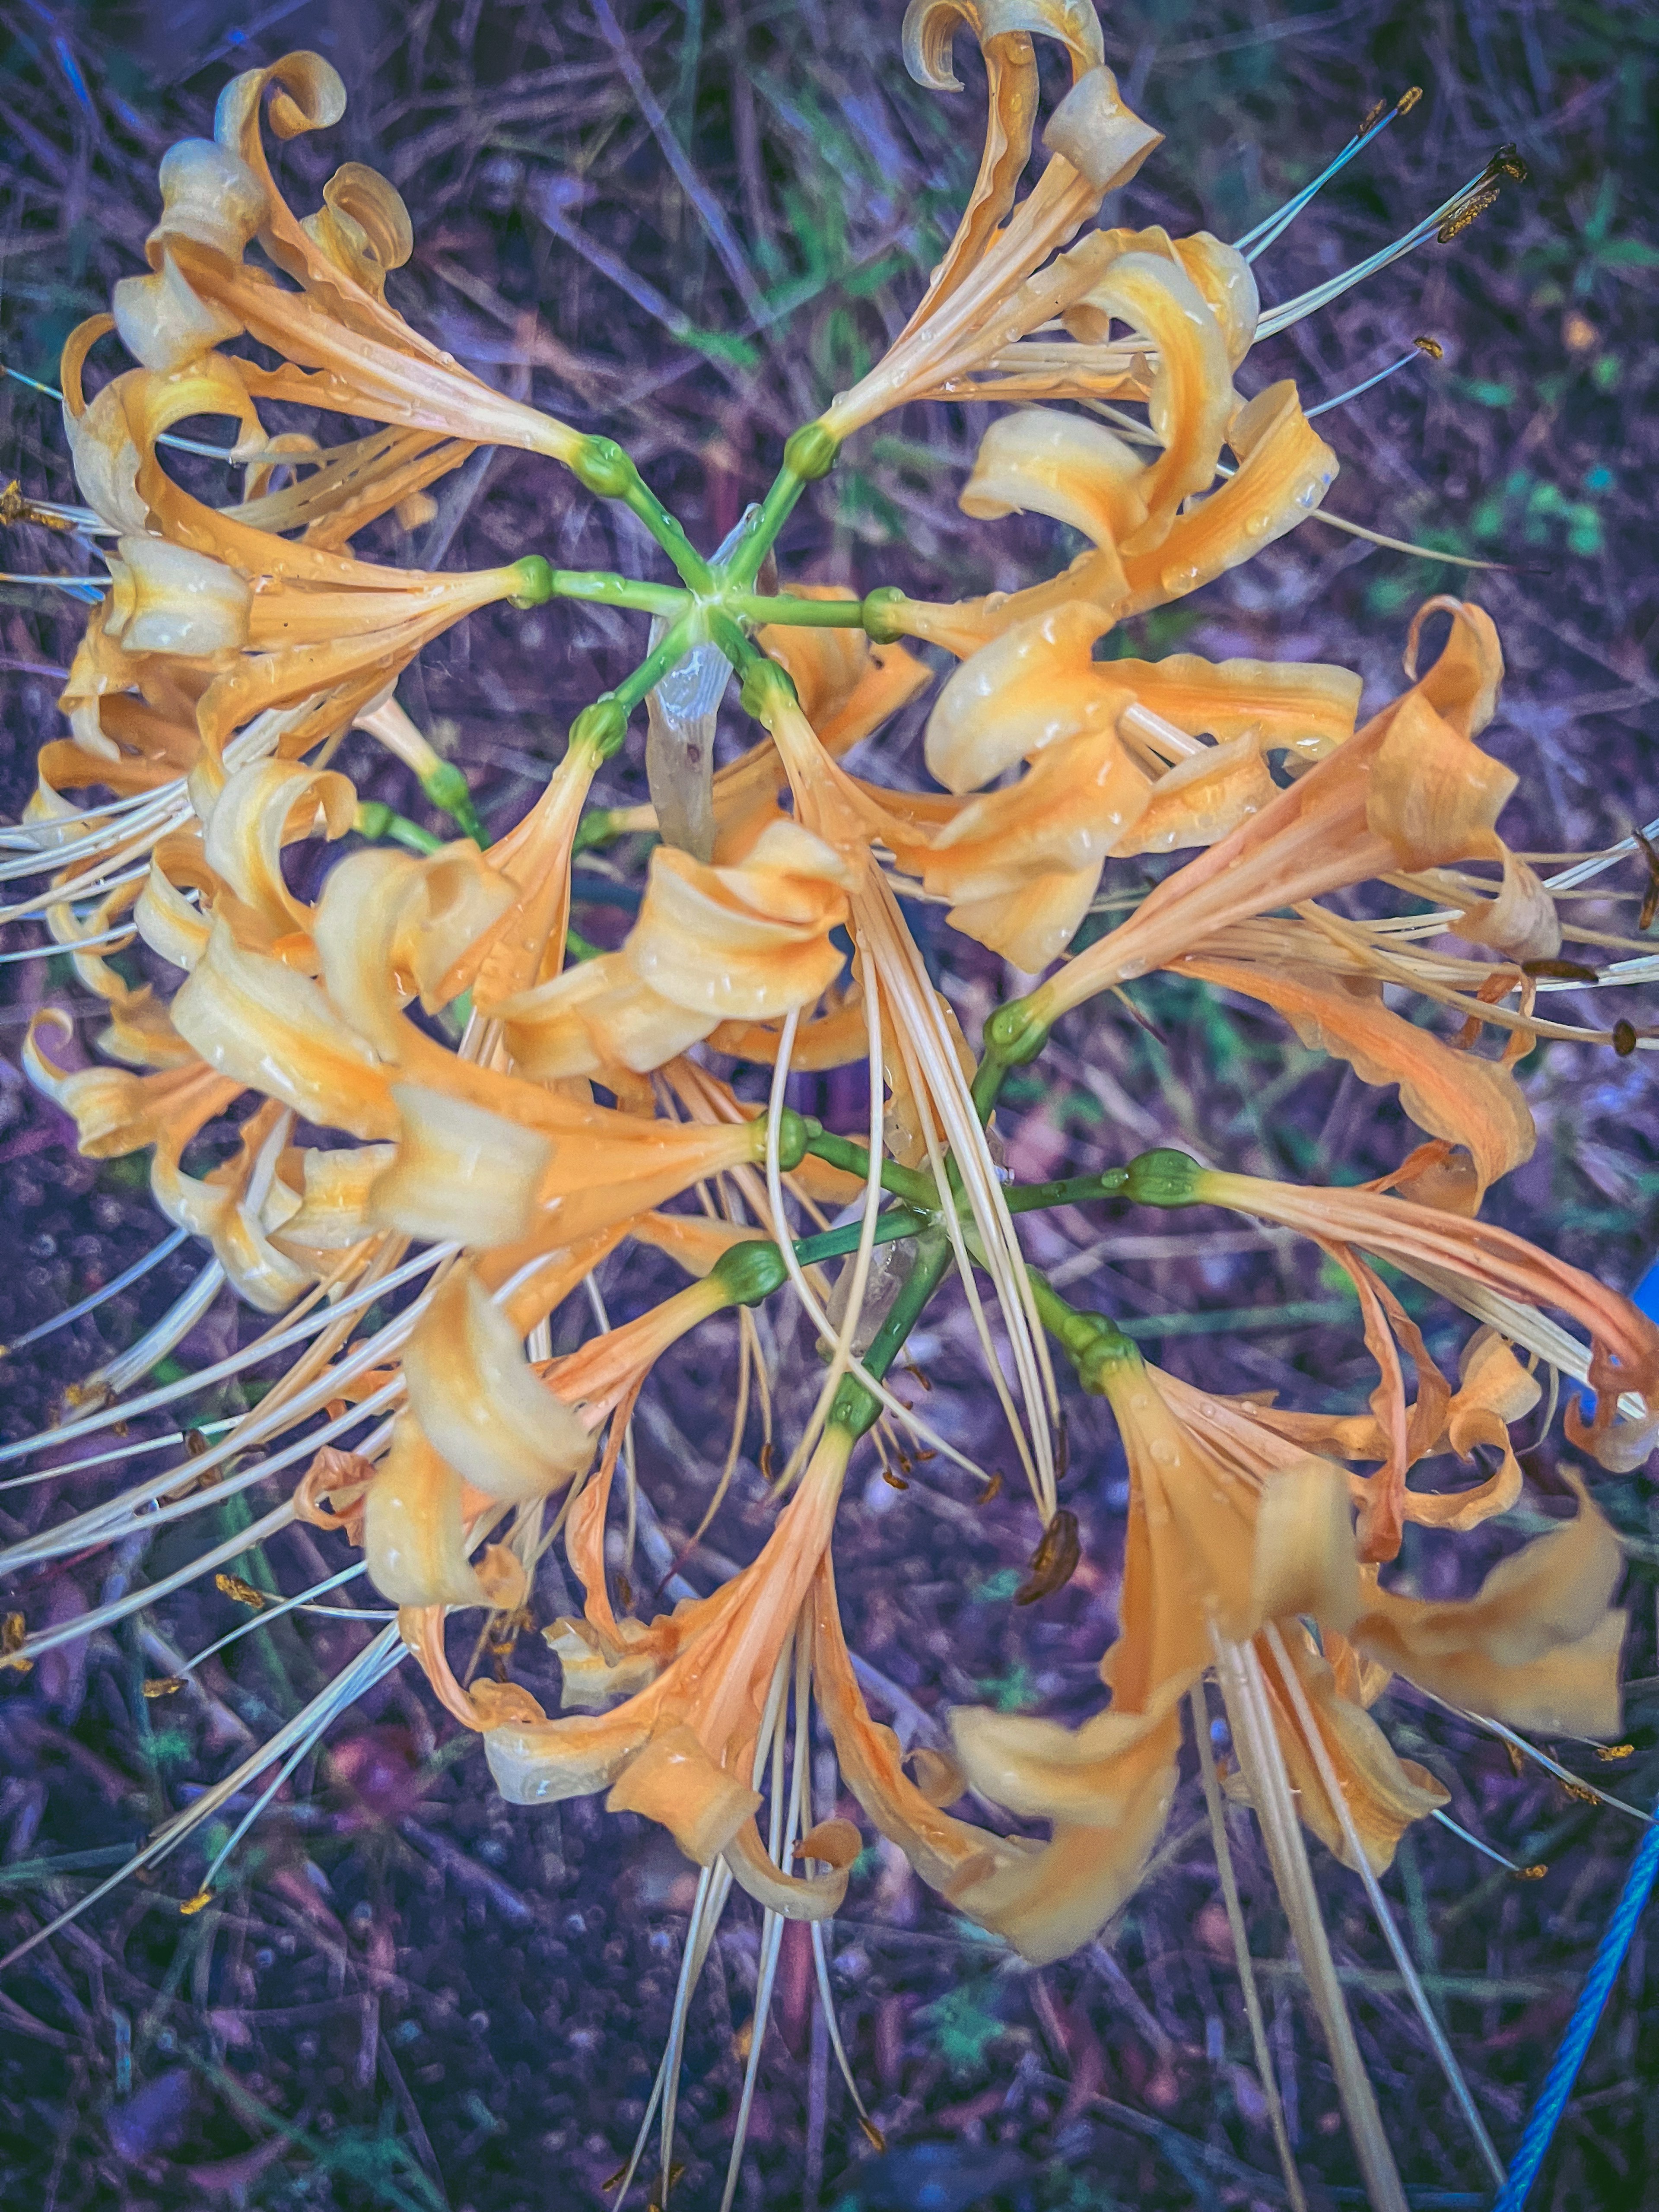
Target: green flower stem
x=1074 y=1190
x=853 y=1158
x=1094 y=1346
x=679 y=640
x=855 y=1408
x=446 y=788
x=810 y=454
x=797 y=614
x=1012 y=1039
x=897 y=1221
x=601 y=464
x=609 y=590
x=375 y=819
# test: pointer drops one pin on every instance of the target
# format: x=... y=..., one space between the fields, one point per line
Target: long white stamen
x=803 y=1288
x=1262 y=234
x=1262 y=1764
x=1280 y=318
x=1371 y=383
x=303 y=1602
x=1224 y=1861
x=166 y=438
x=1475 y=1844
x=1402 y=1958
x=125 y=1516
x=263 y=1348
x=94 y=1299
x=181 y=1316
x=371 y=1665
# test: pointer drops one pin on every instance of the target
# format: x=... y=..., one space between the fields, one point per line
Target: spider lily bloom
x=1410 y=790
x=1493 y=1392
x=925 y=1049
x=1465 y=1259
x=749 y=943
x=115 y=1111
x=260 y=624
x=482 y=1157
x=992 y=289
x=1460 y=1099
x=219 y=196
x=682 y=1749
x=1118 y=768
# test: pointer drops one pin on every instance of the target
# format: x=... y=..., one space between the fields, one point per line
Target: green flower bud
x=750 y=1272
x=1164 y=1178
x=536 y=588
x=601 y=465
x=811 y=453
x=605 y=724
x=878 y=607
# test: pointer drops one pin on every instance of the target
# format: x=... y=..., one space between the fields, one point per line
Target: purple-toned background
x=687 y=227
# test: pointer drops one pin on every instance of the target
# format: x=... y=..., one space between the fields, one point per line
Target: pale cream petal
x=414 y=1536
x=462 y=1174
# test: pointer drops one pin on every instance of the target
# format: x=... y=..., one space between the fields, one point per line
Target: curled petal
x=207 y=193
x=414 y=1534
x=1203 y=799
x=1035 y=684
x=596 y=1015
x=1383 y=1793
x=1041 y=462
x=1434 y=795
x=1055 y=1897
x=253 y=1020
x=478 y=1401
x=115 y=1111
x=333 y=1213
x=362 y=226
x=1228 y=283
x=674 y=1781
x=1468 y=1101
x=1522 y=920
x=796 y=1896
x=461 y=1172
x=1103 y=140
x=261 y=809
x=164 y=323
x=165 y=598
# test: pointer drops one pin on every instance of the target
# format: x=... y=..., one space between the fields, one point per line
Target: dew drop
x=1164 y=1452
x=1259 y=523
x=1180 y=576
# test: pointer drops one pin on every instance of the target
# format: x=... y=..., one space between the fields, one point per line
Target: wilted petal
x=333 y=1214
x=674 y=1781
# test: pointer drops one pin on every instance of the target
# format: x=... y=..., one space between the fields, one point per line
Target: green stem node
x=446 y=787
x=856 y=1409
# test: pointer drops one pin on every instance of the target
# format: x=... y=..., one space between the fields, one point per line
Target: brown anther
x=1559 y=971
x=12 y=1631
x=1624 y=1039
x=1608 y=1752
x=923 y=1457
x=916 y=1375
x=906 y=1464
x=993 y=1488
x=1585 y=1796
x=1408 y=99
x=1373 y=115
x=1517 y=1764
x=16 y=506
x=1432 y=347
x=625 y=1591
x=1531 y=1873
x=1466 y=212
x=872 y=2134
x=894 y=1481
x=1062 y=1448
x=243 y=1593
x=120 y=1428
x=164 y=1686
x=1055 y=1561
x=1650 y=853
x=194 y=1904
x=766 y=1457
x=613 y=2181
x=195 y=1444
x=1507 y=162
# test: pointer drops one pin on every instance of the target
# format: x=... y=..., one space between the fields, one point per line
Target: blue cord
x=1587 y=2014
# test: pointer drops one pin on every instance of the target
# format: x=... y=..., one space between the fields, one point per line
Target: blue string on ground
x=1587 y=2014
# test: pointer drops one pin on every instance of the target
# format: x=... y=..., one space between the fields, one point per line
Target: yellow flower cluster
x=421 y=1062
